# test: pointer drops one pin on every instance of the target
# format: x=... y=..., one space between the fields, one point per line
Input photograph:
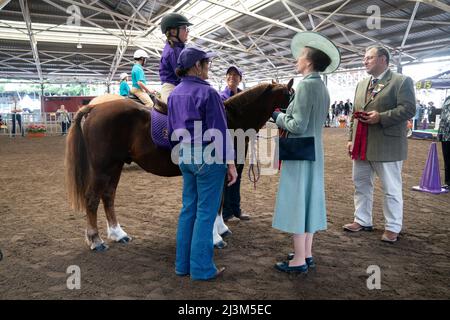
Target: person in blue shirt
x=176 y=28
x=232 y=194
x=196 y=115
x=139 y=88
x=124 y=87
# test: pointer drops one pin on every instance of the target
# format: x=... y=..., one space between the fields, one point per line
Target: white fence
x=52 y=122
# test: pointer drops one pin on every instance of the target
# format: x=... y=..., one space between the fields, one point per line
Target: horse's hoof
x=100 y=248
x=226 y=234
x=221 y=245
x=125 y=239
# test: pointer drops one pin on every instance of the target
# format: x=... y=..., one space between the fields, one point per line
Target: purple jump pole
x=431 y=179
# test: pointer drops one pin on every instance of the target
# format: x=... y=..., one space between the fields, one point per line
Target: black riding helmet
x=173 y=20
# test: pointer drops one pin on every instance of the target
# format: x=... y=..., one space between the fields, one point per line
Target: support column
x=399 y=63
x=41 y=98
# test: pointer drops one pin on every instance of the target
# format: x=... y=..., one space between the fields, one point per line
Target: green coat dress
x=300 y=203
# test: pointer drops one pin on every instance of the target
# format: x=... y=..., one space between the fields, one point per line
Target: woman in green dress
x=300 y=204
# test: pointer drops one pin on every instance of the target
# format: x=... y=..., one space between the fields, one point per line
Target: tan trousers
x=143 y=96
x=166 y=90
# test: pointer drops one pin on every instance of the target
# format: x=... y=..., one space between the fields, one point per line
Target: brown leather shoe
x=389 y=236
x=355 y=227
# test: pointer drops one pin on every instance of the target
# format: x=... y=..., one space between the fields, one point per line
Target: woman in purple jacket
x=175 y=27
x=196 y=116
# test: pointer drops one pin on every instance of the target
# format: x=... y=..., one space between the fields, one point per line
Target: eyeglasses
x=185 y=28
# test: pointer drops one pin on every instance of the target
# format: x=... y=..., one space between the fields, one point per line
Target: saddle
x=158 y=105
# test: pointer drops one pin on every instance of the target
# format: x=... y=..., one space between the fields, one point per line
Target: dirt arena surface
x=40 y=236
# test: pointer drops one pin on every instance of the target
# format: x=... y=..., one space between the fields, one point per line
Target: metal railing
x=51 y=121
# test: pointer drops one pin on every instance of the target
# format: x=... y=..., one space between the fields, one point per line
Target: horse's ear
x=290 y=83
x=273 y=82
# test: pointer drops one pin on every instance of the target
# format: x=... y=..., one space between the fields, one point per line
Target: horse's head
x=253 y=107
x=282 y=94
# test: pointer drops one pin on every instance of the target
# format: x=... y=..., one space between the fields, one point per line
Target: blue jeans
x=18 y=117
x=202 y=191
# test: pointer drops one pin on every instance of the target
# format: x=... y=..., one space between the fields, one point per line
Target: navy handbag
x=296 y=148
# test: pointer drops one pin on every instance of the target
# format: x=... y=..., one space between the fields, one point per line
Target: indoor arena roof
x=46 y=41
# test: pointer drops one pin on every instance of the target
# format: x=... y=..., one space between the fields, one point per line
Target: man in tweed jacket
x=386 y=100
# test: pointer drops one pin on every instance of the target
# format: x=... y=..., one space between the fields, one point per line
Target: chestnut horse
x=118 y=131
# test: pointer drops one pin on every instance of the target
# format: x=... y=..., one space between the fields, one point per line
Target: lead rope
x=251 y=170
x=254 y=159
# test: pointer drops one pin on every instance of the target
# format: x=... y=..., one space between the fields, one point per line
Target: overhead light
x=79 y=46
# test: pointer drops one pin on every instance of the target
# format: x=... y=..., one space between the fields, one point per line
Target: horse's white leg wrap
x=221 y=226
x=116 y=233
x=216 y=236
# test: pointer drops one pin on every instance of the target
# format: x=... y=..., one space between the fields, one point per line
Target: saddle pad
x=159 y=129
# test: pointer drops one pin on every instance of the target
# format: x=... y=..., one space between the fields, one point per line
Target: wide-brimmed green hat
x=317 y=41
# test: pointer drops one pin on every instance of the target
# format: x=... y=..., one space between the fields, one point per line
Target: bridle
x=255 y=173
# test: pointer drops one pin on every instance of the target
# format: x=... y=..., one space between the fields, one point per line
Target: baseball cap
x=190 y=55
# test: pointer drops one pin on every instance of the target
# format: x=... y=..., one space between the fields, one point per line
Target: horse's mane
x=247 y=96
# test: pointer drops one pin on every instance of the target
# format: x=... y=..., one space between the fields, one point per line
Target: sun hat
x=317 y=41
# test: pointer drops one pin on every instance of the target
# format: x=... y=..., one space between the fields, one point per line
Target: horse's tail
x=77 y=162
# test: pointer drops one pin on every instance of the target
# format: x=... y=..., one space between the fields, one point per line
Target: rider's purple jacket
x=168 y=63
x=227 y=93
x=195 y=100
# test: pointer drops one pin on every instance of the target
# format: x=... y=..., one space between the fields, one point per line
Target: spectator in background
x=348 y=107
x=328 y=120
x=333 y=111
x=431 y=112
x=425 y=118
x=340 y=107
x=421 y=113
x=418 y=115
x=124 y=87
x=16 y=116
x=64 y=117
